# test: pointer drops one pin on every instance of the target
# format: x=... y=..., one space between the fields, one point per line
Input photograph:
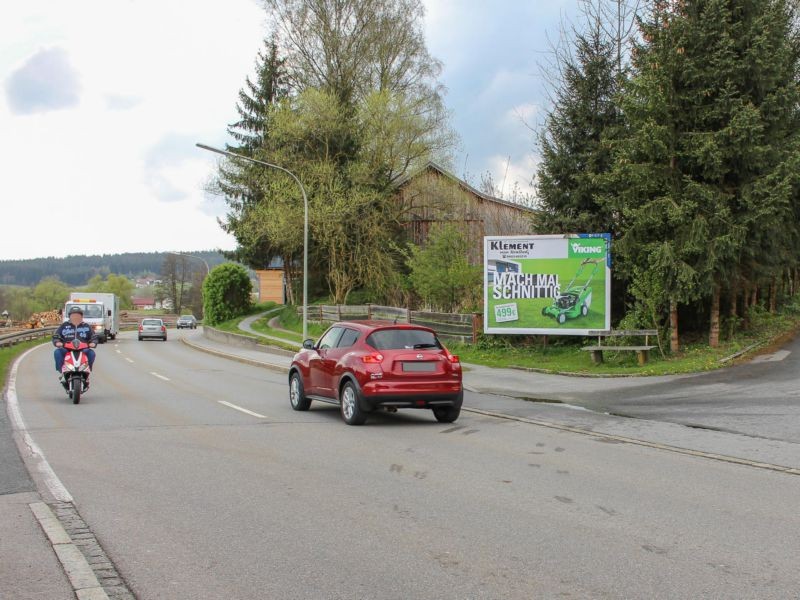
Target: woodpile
x=43 y=319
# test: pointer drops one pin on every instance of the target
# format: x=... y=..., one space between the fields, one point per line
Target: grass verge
x=564 y=354
x=7 y=355
x=291 y=325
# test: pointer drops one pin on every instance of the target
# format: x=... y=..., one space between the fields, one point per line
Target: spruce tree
x=239 y=181
x=705 y=175
x=574 y=143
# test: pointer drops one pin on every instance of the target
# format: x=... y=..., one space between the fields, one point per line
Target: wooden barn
x=434 y=195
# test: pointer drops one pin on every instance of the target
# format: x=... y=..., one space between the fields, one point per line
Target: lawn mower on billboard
x=576 y=299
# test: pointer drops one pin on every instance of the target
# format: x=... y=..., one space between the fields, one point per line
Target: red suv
x=365 y=365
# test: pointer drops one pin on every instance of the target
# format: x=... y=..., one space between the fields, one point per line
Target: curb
x=80 y=574
x=636 y=442
x=241 y=359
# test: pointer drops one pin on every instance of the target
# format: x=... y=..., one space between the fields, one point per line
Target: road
x=192 y=498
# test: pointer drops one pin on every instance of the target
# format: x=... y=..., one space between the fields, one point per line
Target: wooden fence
x=463 y=328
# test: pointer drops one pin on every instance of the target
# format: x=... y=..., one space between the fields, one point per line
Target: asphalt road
x=192 y=498
x=760 y=398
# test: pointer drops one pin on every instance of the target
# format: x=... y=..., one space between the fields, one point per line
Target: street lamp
x=205 y=262
x=305 y=222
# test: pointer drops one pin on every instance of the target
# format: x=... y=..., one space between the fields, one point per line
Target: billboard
x=547 y=284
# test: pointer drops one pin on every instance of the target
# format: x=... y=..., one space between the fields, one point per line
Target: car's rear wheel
x=584 y=310
x=297 y=393
x=352 y=412
x=446 y=414
x=561 y=318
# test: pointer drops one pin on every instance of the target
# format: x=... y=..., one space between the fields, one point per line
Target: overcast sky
x=103 y=100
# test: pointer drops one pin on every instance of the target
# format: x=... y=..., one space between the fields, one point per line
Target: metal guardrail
x=453 y=327
x=23 y=336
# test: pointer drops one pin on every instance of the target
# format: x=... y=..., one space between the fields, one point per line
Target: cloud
x=169 y=168
x=45 y=82
x=516 y=175
x=122 y=101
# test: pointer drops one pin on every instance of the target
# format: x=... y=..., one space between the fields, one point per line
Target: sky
x=102 y=101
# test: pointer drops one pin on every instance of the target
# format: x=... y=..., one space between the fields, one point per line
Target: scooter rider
x=68 y=331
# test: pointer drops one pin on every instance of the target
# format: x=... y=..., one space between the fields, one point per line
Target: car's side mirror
x=308 y=344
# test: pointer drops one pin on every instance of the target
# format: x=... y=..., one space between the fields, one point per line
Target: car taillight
x=374 y=358
x=163 y=328
x=141 y=327
x=453 y=358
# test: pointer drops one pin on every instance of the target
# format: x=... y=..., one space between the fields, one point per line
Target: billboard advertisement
x=547 y=284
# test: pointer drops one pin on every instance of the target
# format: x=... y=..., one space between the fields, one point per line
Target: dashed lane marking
x=154 y=374
x=240 y=409
x=128 y=359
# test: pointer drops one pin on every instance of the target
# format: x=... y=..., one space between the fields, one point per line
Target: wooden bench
x=642 y=352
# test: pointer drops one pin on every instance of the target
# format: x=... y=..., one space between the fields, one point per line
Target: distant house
x=144 y=303
x=434 y=195
x=271 y=283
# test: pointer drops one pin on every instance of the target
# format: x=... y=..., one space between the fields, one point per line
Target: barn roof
x=432 y=166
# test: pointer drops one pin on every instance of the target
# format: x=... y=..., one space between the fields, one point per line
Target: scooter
x=75 y=370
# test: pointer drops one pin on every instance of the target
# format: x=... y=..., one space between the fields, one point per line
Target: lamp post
x=205 y=262
x=305 y=221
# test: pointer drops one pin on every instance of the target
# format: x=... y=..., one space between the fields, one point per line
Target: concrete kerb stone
x=80 y=574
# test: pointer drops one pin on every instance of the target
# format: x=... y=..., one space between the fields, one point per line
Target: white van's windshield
x=90 y=311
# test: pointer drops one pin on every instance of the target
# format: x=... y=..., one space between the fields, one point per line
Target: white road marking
x=118 y=351
x=31 y=449
x=128 y=359
x=154 y=374
x=776 y=357
x=240 y=409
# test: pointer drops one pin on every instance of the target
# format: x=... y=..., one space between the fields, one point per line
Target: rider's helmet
x=75 y=309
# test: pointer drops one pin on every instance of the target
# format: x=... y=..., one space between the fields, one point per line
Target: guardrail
x=453 y=327
x=23 y=336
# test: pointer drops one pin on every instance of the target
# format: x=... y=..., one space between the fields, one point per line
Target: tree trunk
x=713 y=337
x=733 y=312
x=746 y=307
x=288 y=275
x=754 y=295
x=773 y=296
x=674 y=341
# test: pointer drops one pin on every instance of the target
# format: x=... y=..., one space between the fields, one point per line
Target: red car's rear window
x=399 y=339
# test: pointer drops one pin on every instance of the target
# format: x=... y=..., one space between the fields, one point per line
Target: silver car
x=152 y=328
x=187 y=321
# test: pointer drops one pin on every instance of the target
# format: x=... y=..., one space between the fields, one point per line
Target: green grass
x=7 y=355
x=232 y=326
x=565 y=355
x=290 y=320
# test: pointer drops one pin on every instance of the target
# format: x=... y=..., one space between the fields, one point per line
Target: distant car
x=366 y=365
x=152 y=328
x=187 y=321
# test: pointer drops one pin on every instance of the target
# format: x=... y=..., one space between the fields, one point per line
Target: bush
x=226 y=293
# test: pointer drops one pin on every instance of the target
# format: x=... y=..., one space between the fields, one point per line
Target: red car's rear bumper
x=412 y=394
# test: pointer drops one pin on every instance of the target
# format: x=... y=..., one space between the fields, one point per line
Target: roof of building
x=431 y=165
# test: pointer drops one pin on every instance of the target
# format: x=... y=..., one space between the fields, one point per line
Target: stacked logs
x=43 y=319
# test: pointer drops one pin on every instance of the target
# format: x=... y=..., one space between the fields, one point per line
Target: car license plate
x=419 y=367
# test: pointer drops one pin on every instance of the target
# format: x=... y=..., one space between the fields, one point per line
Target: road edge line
x=51 y=480
x=636 y=442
